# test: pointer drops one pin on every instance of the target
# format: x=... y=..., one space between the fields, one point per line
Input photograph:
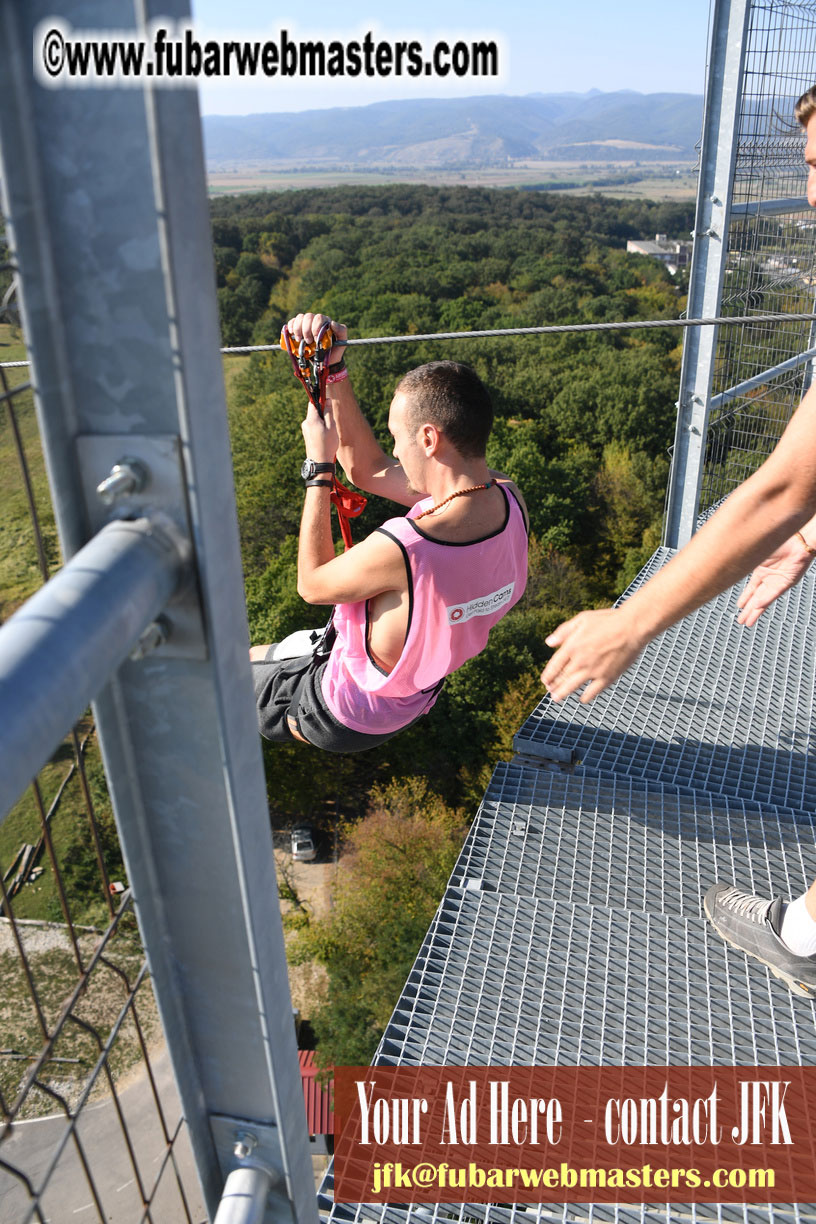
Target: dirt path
x=312 y=883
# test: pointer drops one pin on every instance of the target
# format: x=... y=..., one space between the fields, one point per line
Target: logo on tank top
x=484 y=606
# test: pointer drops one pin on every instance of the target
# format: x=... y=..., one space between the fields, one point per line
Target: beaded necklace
x=458 y=493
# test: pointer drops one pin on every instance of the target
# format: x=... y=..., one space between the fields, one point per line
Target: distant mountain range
x=487 y=130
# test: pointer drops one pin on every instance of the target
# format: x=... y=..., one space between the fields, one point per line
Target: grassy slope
x=19 y=577
x=19 y=567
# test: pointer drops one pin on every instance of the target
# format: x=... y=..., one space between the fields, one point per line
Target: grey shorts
x=292 y=688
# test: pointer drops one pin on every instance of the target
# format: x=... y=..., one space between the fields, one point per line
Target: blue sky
x=547 y=46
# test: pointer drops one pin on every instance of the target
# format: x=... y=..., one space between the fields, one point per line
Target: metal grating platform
x=506 y=981
x=467 y=1213
x=571 y=933
x=658 y=559
x=709 y=705
x=629 y=843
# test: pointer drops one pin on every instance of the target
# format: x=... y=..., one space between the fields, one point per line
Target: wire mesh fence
x=771 y=264
x=89 y=1119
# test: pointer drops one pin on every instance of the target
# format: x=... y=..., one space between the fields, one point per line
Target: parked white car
x=303 y=845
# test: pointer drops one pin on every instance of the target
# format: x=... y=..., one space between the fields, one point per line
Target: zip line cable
x=550 y=329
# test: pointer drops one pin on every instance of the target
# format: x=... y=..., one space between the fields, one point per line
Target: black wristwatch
x=310 y=469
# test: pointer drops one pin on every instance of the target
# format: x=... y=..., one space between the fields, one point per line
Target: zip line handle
x=309 y=362
x=310 y=365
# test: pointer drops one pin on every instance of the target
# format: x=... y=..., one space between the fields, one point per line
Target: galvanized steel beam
x=106 y=198
x=717 y=160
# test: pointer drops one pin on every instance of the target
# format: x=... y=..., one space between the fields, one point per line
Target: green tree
x=393 y=873
x=631 y=488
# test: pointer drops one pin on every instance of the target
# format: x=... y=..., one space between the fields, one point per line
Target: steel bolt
x=125 y=477
x=155 y=635
x=245 y=1144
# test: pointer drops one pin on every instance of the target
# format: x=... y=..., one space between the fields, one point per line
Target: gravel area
x=43 y=936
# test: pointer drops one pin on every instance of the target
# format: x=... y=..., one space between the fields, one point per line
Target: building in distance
x=670 y=251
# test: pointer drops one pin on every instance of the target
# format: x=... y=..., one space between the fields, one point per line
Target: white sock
x=799 y=929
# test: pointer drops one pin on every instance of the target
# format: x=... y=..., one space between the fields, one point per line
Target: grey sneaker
x=752 y=924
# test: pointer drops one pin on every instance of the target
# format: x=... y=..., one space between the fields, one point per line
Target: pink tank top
x=457 y=593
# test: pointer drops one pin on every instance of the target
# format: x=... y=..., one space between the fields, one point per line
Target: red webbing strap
x=349 y=505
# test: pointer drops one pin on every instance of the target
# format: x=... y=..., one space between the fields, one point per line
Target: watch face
x=307 y=469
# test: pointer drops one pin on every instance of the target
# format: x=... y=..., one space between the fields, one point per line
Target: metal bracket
x=159 y=490
x=547 y=752
x=244 y=1144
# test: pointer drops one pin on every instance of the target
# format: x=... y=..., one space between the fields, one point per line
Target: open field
x=657 y=181
x=19 y=569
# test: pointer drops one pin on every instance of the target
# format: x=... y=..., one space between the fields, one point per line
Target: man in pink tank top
x=415 y=599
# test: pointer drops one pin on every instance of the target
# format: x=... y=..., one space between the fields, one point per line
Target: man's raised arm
x=360 y=455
